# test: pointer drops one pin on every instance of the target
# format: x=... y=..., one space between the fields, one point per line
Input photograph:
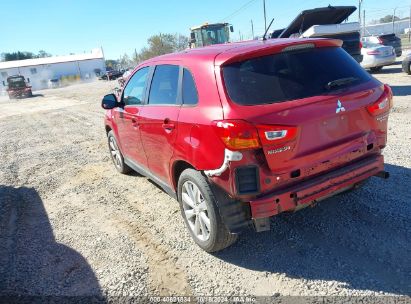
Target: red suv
x=240 y=132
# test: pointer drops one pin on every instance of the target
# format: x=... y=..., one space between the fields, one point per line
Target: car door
x=128 y=117
x=159 y=118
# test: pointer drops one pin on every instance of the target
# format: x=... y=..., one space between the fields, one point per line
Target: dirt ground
x=71 y=225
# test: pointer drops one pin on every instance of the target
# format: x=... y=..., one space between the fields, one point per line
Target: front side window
x=291 y=75
x=164 y=86
x=134 y=91
x=190 y=95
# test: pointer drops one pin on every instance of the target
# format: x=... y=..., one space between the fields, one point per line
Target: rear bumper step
x=318 y=188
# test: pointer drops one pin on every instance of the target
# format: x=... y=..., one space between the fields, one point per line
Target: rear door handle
x=167 y=125
x=134 y=122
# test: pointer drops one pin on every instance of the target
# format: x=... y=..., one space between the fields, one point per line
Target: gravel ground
x=71 y=225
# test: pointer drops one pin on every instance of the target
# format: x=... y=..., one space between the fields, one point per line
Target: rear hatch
x=309 y=105
x=390 y=39
x=317 y=16
x=326 y=16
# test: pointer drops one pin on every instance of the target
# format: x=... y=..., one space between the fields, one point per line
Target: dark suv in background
x=387 y=39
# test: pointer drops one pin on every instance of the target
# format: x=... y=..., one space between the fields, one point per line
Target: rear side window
x=291 y=75
x=164 y=85
x=190 y=95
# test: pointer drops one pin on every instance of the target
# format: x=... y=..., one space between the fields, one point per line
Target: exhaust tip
x=383 y=174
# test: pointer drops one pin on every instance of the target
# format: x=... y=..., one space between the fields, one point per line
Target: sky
x=75 y=26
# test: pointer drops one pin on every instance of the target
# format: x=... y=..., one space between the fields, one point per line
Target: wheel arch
x=177 y=168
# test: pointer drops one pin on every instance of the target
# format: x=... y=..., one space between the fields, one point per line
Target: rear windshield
x=291 y=75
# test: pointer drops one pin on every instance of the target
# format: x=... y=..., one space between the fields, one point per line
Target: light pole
x=393 y=20
x=359 y=11
x=409 y=27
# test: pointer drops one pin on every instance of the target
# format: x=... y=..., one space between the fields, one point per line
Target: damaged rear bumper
x=304 y=193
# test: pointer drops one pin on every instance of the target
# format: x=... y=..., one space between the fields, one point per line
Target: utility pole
x=359 y=11
x=393 y=21
x=409 y=27
x=252 y=29
x=265 y=17
x=363 y=23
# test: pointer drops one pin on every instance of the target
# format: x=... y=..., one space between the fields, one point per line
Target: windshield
x=16 y=82
x=291 y=75
x=214 y=35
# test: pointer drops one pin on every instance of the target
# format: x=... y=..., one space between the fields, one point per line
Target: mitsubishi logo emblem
x=340 y=107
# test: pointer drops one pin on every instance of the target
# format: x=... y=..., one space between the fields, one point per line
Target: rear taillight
x=373 y=52
x=380 y=40
x=360 y=45
x=383 y=104
x=275 y=134
x=237 y=134
x=241 y=135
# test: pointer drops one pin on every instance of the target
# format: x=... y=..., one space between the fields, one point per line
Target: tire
x=376 y=69
x=409 y=69
x=116 y=155
x=210 y=237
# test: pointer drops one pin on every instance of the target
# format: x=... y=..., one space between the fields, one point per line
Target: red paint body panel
x=343 y=149
x=317 y=188
x=128 y=126
x=159 y=128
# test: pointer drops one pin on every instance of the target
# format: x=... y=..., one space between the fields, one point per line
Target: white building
x=41 y=71
x=399 y=27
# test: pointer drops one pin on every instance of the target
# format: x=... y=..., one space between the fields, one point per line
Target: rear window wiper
x=340 y=82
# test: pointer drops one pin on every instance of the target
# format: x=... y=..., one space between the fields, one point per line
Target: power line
x=238 y=10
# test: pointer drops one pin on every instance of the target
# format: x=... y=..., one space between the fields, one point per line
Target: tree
x=124 y=61
x=161 y=44
x=17 y=56
x=23 y=55
x=388 y=18
x=43 y=54
x=181 y=42
x=111 y=63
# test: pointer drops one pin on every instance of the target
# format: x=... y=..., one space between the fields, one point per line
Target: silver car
x=375 y=56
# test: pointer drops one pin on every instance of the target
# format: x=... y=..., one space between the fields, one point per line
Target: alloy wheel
x=115 y=152
x=195 y=210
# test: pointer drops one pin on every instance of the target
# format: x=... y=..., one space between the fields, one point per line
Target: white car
x=375 y=56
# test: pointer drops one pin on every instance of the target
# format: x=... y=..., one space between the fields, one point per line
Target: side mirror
x=231 y=29
x=109 y=102
x=193 y=36
x=28 y=80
